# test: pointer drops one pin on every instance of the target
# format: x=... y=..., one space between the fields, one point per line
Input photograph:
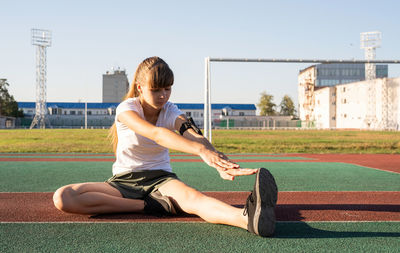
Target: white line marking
x=189 y=222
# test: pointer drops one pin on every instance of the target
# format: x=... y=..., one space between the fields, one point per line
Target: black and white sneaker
x=260 y=205
x=158 y=205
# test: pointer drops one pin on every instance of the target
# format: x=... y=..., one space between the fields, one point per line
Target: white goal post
x=207 y=84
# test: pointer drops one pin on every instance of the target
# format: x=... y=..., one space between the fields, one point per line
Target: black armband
x=189 y=124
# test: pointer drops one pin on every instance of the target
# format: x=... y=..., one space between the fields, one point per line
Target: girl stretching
x=144 y=130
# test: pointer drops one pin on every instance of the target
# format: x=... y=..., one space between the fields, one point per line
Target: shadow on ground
x=297 y=228
x=305 y=230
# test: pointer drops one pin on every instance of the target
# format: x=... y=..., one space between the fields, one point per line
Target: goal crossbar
x=207 y=84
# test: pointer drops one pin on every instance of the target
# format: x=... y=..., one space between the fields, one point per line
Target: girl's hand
x=232 y=173
x=216 y=160
x=226 y=168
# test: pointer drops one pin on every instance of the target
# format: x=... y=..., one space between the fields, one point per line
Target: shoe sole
x=264 y=216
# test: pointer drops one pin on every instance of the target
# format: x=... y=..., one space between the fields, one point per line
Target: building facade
x=312 y=88
x=334 y=74
x=115 y=86
x=372 y=104
x=324 y=110
x=72 y=115
x=7 y=122
x=217 y=110
x=356 y=108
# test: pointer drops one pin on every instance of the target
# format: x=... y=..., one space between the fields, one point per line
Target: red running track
x=292 y=206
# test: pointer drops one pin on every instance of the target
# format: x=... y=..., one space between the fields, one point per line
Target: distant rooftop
x=115 y=70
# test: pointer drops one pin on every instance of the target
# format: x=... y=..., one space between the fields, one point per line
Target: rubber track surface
x=292 y=206
x=388 y=162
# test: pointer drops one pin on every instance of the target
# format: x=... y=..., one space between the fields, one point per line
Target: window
x=79 y=112
x=188 y=114
x=72 y=112
x=241 y=113
x=9 y=123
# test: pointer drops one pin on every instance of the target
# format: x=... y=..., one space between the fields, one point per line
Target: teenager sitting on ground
x=144 y=130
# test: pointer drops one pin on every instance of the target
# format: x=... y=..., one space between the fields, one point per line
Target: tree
x=266 y=105
x=287 y=106
x=8 y=105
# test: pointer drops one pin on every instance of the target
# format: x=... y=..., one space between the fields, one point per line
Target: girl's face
x=154 y=97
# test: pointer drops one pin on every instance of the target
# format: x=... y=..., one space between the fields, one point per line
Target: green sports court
x=343 y=203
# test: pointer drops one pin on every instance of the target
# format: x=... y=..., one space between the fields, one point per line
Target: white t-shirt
x=136 y=152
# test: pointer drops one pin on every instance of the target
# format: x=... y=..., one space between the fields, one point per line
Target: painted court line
x=79 y=159
x=112 y=155
x=390 y=171
x=90 y=222
x=52 y=154
x=383 y=162
x=189 y=222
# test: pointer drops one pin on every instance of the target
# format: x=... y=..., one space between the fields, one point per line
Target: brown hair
x=153 y=71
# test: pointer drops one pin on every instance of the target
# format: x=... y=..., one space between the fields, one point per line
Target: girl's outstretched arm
x=169 y=139
x=228 y=174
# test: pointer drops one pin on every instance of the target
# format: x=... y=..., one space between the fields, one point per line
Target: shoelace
x=249 y=199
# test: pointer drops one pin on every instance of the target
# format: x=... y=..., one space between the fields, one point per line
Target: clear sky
x=91 y=37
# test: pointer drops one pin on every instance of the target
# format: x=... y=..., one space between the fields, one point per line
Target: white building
x=306 y=96
x=373 y=104
x=357 y=108
x=324 y=110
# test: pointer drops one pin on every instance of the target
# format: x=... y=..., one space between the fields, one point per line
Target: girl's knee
x=62 y=198
x=193 y=199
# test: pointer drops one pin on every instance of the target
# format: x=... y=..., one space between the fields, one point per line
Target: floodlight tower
x=369 y=42
x=41 y=39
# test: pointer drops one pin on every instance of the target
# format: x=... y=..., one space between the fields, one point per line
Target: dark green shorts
x=138 y=184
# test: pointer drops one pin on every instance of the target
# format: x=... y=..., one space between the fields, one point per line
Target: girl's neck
x=150 y=113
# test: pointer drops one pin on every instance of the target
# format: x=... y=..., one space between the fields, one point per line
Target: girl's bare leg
x=94 y=198
x=210 y=209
